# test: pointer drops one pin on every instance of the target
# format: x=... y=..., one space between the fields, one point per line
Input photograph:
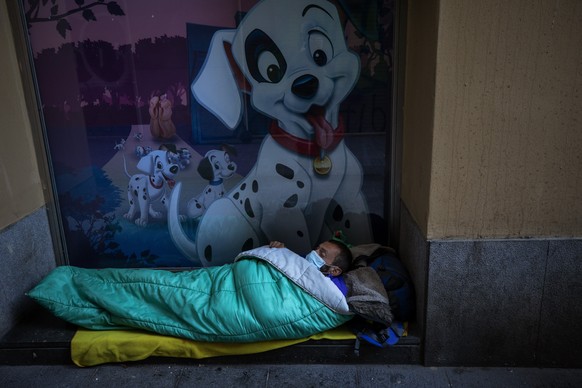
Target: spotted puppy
x=292 y=59
x=144 y=189
x=214 y=167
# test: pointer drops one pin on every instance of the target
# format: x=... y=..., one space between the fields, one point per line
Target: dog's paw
x=156 y=214
x=141 y=222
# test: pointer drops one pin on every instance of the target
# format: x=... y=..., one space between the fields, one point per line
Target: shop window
x=181 y=133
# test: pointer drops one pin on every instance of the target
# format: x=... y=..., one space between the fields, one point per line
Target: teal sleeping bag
x=267 y=293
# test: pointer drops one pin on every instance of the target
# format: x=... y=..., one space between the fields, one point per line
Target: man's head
x=336 y=255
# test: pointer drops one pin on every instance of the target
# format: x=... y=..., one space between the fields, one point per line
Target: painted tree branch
x=54 y=18
x=62 y=23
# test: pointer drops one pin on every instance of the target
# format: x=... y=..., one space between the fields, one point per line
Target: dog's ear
x=205 y=169
x=168 y=147
x=230 y=150
x=216 y=87
x=146 y=164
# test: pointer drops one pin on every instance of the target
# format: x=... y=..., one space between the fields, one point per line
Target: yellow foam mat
x=89 y=348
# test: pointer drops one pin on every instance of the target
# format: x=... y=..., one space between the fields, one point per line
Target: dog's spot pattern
x=284 y=171
x=247 y=245
x=236 y=195
x=249 y=208
x=255 y=186
x=338 y=213
x=347 y=224
x=208 y=253
x=300 y=184
x=300 y=233
x=291 y=201
x=243 y=187
x=135 y=193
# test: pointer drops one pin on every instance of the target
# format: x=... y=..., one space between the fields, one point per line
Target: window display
x=183 y=132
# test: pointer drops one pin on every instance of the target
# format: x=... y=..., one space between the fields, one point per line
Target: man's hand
x=276 y=244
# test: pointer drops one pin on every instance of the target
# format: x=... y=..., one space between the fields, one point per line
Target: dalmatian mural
x=291 y=58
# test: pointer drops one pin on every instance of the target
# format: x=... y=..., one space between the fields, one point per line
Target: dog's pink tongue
x=171 y=183
x=323 y=129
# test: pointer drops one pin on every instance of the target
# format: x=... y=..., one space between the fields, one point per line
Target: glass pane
x=183 y=132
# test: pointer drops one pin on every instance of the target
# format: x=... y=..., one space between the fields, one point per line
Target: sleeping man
x=266 y=293
x=331 y=257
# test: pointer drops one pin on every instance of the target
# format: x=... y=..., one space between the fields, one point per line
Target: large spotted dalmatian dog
x=292 y=58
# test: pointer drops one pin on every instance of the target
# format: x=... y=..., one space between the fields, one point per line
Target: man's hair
x=344 y=258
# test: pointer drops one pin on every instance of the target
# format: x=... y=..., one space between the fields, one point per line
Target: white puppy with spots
x=292 y=58
x=216 y=166
x=144 y=189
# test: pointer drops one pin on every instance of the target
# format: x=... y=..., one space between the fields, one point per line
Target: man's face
x=328 y=252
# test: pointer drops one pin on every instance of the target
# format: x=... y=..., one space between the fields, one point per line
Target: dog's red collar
x=304 y=146
x=153 y=183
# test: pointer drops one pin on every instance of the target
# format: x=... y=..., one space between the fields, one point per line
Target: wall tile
x=560 y=339
x=27 y=256
x=483 y=301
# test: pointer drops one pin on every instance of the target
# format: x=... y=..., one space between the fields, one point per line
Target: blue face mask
x=314 y=259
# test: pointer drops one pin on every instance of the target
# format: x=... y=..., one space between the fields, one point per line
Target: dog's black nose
x=305 y=86
x=174 y=169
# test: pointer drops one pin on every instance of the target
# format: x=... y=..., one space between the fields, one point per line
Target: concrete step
x=42 y=339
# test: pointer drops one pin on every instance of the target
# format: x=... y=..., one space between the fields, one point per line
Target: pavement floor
x=197 y=375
